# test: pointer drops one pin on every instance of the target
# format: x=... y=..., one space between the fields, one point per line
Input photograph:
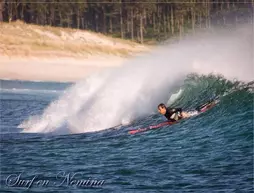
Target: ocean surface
x=212 y=152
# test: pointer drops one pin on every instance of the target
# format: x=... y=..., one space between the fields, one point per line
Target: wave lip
x=133 y=90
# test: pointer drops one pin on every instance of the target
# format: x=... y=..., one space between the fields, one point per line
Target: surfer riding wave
x=176 y=114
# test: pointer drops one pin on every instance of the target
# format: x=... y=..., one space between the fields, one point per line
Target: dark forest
x=138 y=21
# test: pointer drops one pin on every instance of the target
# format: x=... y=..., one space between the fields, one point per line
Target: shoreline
x=61 y=69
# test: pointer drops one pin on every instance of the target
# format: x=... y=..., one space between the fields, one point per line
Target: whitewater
x=119 y=96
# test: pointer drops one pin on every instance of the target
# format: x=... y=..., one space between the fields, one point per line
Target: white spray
x=122 y=94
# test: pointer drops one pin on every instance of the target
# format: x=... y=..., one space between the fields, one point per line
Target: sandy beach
x=58 y=69
x=31 y=52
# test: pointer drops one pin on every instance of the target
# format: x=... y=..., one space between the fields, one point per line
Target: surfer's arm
x=180 y=112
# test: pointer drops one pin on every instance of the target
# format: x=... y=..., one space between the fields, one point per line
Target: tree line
x=130 y=19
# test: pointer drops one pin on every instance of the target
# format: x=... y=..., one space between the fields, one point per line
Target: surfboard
x=200 y=109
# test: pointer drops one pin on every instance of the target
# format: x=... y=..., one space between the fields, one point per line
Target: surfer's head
x=162 y=109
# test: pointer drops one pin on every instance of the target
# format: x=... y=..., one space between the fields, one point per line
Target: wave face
x=207 y=153
x=123 y=94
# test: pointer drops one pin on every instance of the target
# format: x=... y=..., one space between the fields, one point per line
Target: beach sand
x=44 y=53
x=54 y=69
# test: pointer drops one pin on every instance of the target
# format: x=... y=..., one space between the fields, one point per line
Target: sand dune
x=31 y=52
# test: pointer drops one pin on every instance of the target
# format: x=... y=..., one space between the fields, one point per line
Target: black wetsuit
x=173 y=114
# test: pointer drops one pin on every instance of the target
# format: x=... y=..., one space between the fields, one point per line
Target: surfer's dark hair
x=161 y=105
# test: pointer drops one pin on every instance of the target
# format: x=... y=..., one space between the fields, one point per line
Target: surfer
x=172 y=114
x=175 y=114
